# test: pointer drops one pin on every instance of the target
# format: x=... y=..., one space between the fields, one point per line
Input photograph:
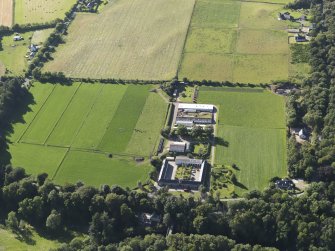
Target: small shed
x=17 y=38
x=302 y=134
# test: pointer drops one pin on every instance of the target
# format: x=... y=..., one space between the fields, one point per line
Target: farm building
x=285 y=184
x=196 y=107
x=302 y=134
x=178 y=147
x=182 y=173
x=284 y=16
x=190 y=114
x=300 y=38
x=150 y=219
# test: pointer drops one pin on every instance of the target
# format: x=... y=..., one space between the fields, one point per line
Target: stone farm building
x=182 y=173
x=178 y=147
x=190 y=114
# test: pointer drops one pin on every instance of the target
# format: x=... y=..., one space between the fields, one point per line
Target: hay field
x=40 y=11
x=237 y=41
x=6 y=12
x=252 y=124
x=130 y=39
x=69 y=130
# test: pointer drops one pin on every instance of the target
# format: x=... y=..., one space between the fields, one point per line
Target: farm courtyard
x=129 y=39
x=237 y=41
x=251 y=128
x=89 y=132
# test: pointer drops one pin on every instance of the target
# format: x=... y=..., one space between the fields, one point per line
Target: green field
x=40 y=36
x=129 y=39
x=251 y=126
x=69 y=131
x=96 y=169
x=237 y=41
x=40 y=11
x=9 y=241
x=12 y=57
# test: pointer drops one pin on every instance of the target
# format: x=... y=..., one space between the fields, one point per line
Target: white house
x=178 y=147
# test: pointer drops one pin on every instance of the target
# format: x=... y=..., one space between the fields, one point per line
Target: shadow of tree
x=221 y=142
x=17 y=111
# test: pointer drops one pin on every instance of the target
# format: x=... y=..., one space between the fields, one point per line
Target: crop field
x=130 y=39
x=12 y=57
x=251 y=125
x=6 y=12
x=40 y=11
x=70 y=131
x=237 y=41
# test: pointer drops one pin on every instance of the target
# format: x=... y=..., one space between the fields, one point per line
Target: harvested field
x=136 y=39
x=88 y=132
x=6 y=12
x=40 y=11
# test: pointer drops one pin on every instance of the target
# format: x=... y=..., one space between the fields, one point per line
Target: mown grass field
x=252 y=125
x=40 y=36
x=130 y=39
x=40 y=11
x=237 y=41
x=96 y=169
x=69 y=131
x=6 y=13
x=8 y=241
x=12 y=57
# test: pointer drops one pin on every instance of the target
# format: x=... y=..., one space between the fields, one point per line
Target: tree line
x=314 y=106
x=110 y=216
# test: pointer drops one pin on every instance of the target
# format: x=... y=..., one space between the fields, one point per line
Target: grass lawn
x=211 y=40
x=216 y=14
x=262 y=42
x=49 y=115
x=40 y=36
x=9 y=241
x=199 y=66
x=252 y=126
x=259 y=68
x=298 y=72
x=248 y=109
x=188 y=92
x=99 y=117
x=137 y=39
x=40 y=11
x=36 y=159
x=120 y=130
x=259 y=153
x=96 y=169
x=13 y=54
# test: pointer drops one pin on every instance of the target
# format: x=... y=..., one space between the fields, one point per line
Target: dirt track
x=6 y=12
